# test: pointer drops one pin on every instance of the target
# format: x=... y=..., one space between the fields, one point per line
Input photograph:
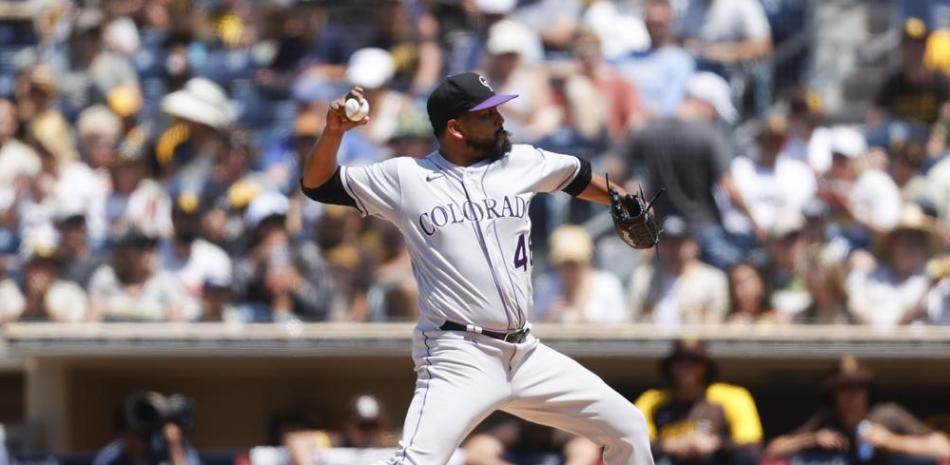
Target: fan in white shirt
x=577 y=292
x=773 y=185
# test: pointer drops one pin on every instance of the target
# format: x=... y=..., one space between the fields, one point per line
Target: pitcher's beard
x=494 y=149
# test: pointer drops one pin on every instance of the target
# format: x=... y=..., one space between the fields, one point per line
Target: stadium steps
x=871 y=59
x=853 y=42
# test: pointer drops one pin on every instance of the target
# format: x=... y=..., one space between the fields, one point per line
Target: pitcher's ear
x=454 y=128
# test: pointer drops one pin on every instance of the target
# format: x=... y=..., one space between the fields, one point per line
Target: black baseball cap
x=460 y=93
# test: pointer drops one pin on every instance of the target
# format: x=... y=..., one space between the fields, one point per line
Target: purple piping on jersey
x=425 y=395
x=484 y=246
x=491 y=267
x=522 y=314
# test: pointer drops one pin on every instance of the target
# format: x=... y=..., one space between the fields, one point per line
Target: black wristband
x=580 y=181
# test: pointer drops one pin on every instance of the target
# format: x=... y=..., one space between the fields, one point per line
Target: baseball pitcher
x=464 y=213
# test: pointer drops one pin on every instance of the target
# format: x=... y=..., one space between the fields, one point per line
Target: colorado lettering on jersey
x=465 y=277
x=486 y=209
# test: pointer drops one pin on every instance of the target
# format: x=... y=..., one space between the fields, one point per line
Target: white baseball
x=356 y=110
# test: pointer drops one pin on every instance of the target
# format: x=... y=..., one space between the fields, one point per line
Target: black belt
x=514 y=337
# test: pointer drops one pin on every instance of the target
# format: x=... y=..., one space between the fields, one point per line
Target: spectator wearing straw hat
x=199 y=111
x=853 y=424
x=577 y=292
x=890 y=290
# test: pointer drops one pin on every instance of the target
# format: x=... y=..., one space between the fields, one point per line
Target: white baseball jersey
x=466 y=228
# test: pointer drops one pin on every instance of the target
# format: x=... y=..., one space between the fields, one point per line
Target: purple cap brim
x=493 y=101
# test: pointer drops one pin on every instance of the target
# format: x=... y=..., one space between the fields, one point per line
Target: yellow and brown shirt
x=726 y=411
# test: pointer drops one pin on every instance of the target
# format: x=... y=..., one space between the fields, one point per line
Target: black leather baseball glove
x=632 y=219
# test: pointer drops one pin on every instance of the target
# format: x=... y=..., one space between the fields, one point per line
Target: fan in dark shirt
x=915 y=92
x=852 y=425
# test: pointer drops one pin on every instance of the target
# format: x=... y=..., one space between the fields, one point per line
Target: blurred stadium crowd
x=150 y=154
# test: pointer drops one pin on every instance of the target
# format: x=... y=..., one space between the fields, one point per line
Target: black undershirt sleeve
x=331 y=192
x=581 y=180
